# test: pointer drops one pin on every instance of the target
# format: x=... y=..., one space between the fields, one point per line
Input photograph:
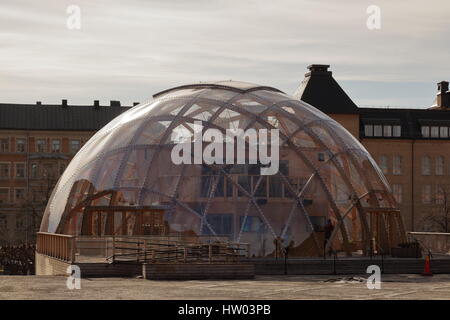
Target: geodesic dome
x=124 y=182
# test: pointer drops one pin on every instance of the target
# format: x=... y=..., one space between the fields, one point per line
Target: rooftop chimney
x=443 y=95
x=64 y=103
x=96 y=104
x=318 y=69
x=115 y=103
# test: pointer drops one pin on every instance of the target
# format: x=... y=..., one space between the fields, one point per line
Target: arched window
x=426 y=165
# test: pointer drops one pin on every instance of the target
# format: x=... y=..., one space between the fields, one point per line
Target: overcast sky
x=128 y=50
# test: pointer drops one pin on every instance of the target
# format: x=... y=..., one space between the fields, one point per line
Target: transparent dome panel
x=323 y=193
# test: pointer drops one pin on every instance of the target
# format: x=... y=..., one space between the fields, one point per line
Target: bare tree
x=3 y=229
x=35 y=201
x=439 y=217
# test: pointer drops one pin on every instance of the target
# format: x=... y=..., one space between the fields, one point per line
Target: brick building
x=36 y=143
x=411 y=146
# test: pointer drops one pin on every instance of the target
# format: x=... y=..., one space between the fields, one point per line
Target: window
x=434 y=132
x=220 y=223
x=321 y=156
x=397 y=190
x=20 y=170
x=19 y=194
x=4 y=145
x=261 y=191
x=48 y=169
x=34 y=170
x=397 y=131
x=208 y=182
x=378 y=130
x=426 y=165
x=384 y=164
x=397 y=165
x=4 y=195
x=3 y=222
x=4 y=170
x=74 y=146
x=368 y=130
x=426 y=193
x=275 y=187
x=56 y=145
x=439 y=168
x=41 y=145
x=244 y=182
x=20 y=145
x=251 y=224
x=318 y=223
x=440 y=194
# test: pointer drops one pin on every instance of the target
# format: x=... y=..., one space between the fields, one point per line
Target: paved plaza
x=263 y=287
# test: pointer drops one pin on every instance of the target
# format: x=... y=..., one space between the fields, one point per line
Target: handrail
x=56 y=234
x=59 y=246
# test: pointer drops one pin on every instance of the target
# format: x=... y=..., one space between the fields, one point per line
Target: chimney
x=114 y=103
x=38 y=103
x=64 y=103
x=318 y=69
x=443 y=95
x=135 y=104
x=96 y=104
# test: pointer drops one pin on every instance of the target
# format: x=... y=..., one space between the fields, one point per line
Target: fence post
x=145 y=250
x=113 y=247
x=210 y=253
x=138 y=251
x=73 y=248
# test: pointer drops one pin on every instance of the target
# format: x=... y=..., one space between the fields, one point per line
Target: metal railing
x=437 y=243
x=141 y=250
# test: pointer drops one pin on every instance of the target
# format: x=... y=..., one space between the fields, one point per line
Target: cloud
x=129 y=50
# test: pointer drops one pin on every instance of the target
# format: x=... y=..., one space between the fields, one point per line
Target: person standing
x=329 y=227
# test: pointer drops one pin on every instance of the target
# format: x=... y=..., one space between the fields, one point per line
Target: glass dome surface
x=123 y=181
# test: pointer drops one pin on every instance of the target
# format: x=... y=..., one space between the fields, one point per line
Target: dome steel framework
x=123 y=182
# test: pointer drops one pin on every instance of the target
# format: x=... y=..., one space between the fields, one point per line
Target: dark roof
x=410 y=119
x=56 y=117
x=320 y=90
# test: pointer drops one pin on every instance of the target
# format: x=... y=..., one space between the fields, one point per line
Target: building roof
x=322 y=91
x=56 y=117
x=410 y=119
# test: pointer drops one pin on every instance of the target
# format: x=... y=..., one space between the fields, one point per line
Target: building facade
x=36 y=144
x=411 y=146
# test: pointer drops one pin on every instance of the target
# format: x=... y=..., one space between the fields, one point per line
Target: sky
x=129 y=50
